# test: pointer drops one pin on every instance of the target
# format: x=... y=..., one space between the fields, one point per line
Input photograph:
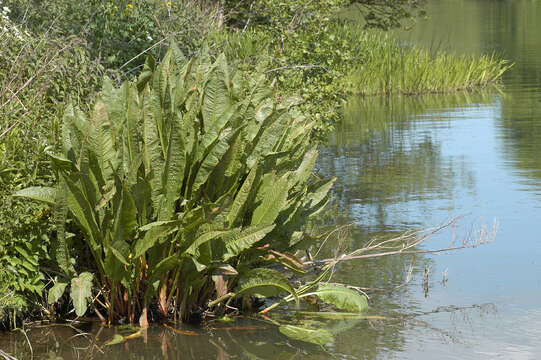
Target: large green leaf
x=219 y=148
x=238 y=241
x=319 y=193
x=263 y=282
x=162 y=225
x=313 y=336
x=216 y=99
x=342 y=297
x=101 y=139
x=302 y=174
x=173 y=174
x=82 y=210
x=40 y=193
x=153 y=154
x=273 y=202
x=125 y=221
x=236 y=210
x=81 y=291
x=56 y=292
x=61 y=248
x=193 y=249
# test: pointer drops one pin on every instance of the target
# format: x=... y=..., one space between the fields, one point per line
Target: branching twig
x=310 y=66
x=407 y=243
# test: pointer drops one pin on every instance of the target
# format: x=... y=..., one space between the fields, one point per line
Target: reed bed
x=389 y=67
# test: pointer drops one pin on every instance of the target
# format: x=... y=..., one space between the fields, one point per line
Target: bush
x=182 y=183
x=118 y=32
x=36 y=75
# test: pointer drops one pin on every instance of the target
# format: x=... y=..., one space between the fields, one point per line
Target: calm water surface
x=402 y=164
x=477 y=154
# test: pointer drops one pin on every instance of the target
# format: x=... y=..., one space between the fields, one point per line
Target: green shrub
x=117 y=32
x=37 y=74
x=192 y=173
x=313 y=49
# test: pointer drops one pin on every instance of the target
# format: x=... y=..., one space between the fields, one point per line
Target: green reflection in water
x=385 y=155
x=510 y=27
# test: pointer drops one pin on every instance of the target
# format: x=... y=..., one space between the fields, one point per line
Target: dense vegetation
x=220 y=184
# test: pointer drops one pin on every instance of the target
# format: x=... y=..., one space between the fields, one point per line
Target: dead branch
x=408 y=242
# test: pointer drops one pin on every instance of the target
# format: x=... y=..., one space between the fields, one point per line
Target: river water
x=407 y=163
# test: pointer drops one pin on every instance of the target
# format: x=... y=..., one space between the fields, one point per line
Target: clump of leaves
x=184 y=183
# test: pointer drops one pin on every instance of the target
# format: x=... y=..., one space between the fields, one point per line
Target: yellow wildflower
x=130 y=6
x=169 y=3
x=115 y=7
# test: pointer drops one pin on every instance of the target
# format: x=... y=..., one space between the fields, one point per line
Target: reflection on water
x=388 y=154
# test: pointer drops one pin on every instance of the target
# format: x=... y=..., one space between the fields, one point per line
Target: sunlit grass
x=388 y=67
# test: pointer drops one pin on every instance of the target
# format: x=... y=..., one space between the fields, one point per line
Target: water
x=439 y=157
x=402 y=164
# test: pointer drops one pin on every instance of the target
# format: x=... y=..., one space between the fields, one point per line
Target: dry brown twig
x=408 y=242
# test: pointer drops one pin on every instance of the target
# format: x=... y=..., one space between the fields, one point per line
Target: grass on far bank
x=387 y=68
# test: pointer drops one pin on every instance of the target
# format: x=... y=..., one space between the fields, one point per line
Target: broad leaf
x=273 y=202
x=342 y=297
x=238 y=205
x=81 y=291
x=173 y=174
x=56 y=292
x=40 y=193
x=313 y=336
x=61 y=248
x=237 y=242
x=263 y=282
x=117 y=339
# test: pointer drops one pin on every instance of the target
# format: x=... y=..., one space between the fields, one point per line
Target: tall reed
x=389 y=67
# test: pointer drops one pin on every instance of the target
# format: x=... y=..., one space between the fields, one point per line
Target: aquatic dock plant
x=184 y=184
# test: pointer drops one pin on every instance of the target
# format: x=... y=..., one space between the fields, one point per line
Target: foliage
x=383 y=14
x=387 y=14
x=117 y=32
x=10 y=301
x=320 y=50
x=180 y=176
x=389 y=68
x=37 y=73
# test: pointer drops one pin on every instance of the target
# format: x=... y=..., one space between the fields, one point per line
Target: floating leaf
x=314 y=336
x=117 y=339
x=342 y=297
x=339 y=315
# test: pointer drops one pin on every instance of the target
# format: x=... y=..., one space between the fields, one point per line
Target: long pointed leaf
x=41 y=193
